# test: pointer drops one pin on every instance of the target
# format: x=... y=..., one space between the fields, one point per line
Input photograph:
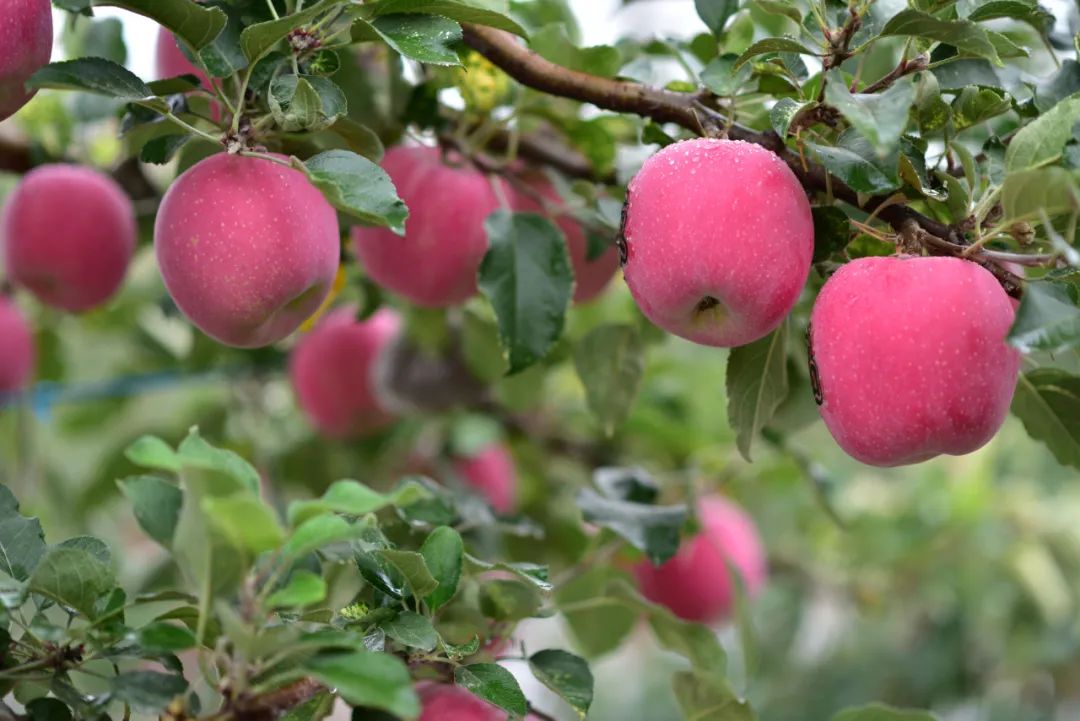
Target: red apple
x=332 y=372
x=436 y=263
x=171 y=62
x=911 y=358
x=16 y=348
x=442 y=702
x=248 y=248
x=696 y=584
x=26 y=36
x=718 y=239
x=491 y=473
x=67 y=235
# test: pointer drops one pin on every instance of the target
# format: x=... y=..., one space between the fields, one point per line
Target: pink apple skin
x=436 y=263
x=696 y=584
x=911 y=358
x=443 y=702
x=491 y=473
x=248 y=248
x=16 y=348
x=591 y=276
x=718 y=240
x=67 y=234
x=170 y=61
x=26 y=36
x=332 y=372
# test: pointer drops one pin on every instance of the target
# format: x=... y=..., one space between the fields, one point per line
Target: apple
x=591 y=276
x=911 y=359
x=491 y=473
x=332 y=371
x=443 y=702
x=26 y=36
x=248 y=248
x=436 y=263
x=170 y=61
x=67 y=234
x=696 y=584
x=16 y=348
x=717 y=240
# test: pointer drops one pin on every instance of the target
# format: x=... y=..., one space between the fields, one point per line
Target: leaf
x=74 y=577
x=356 y=186
x=355 y=499
x=567 y=675
x=162 y=149
x=975 y=105
x=704 y=696
x=715 y=13
x=156 y=504
x=411 y=565
x=196 y=453
x=879 y=117
x=597 y=628
x=832 y=231
x=412 y=630
x=1047 y=401
x=479 y=12
x=303 y=589
x=507 y=600
x=964 y=35
x=164 y=637
x=320 y=531
x=22 y=542
x=551 y=42
x=306 y=103
x=1043 y=139
x=652 y=529
x=1027 y=194
x=224 y=56
x=772 y=45
x=246 y=520
x=91 y=75
x=723 y=78
x=855 y=170
x=627 y=484
x=780 y=7
x=197 y=25
x=424 y=38
x=757 y=384
x=1047 y=320
x=152 y=452
x=783 y=114
x=494 y=684
x=367 y=678
x=443 y=552
x=526 y=276
x=148 y=691
x=1023 y=10
x=610 y=361
x=259 y=39
x=881 y=712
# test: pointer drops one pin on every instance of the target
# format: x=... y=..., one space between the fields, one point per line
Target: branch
x=904 y=67
x=271 y=705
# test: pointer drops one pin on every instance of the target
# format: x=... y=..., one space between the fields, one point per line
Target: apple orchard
x=415 y=359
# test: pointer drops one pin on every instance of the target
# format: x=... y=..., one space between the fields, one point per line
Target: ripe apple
x=911 y=358
x=491 y=473
x=443 y=702
x=248 y=248
x=26 y=36
x=171 y=62
x=332 y=371
x=436 y=263
x=717 y=240
x=591 y=276
x=16 y=348
x=696 y=584
x=67 y=235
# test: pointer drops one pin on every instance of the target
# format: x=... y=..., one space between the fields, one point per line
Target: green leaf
x=246 y=520
x=355 y=499
x=197 y=25
x=1043 y=139
x=424 y=38
x=412 y=567
x=492 y=13
x=366 y=678
x=360 y=138
x=652 y=529
x=832 y=231
x=91 y=75
x=964 y=35
x=772 y=45
x=152 y=452
x=494 y=684
x=1047 y=401
x=526 y=276
x=47 y=709
x=412 y=630
x=72 y=576
x=22 y=542
x=1023 y=10
x=148 y=691
x=705 y=696
x=224 y=465
x=303 y=589
x=356 y=186
x=1027 y=194
x=879 y=117
x=715 y=13
x=567 y=675
x=259 y=39
x=780 y=7
x=610 y=361
x=1047 y=320
x=156 y=504
x=852 y=168
x=976 y=105
x=164 y=637
x=757 y=384
x=881 y=712
x=783 y=114
x=598 y=628
x=509 y=600
x=224 y=57
x=306 y=103
x=551 y=42
x=162 y=149
x=723 y=78
x=443 y=551
x=320 y=531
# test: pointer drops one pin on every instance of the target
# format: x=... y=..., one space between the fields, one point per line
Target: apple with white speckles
x=717 y=240
x=26 y=35
x=332 y=369
x=911 y=359
x=248 y=248
x=67 y=234
x=696 y=585
x=436 y=263
x=16 y=348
